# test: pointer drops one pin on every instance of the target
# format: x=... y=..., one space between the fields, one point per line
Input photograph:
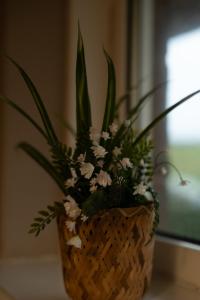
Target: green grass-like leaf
x=23 y=113
x=39 y=103
x=43 y=162
x=109 y=113
x=163 y=115
x=83 y=111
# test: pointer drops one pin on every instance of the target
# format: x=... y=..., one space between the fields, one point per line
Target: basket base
x=115 y=262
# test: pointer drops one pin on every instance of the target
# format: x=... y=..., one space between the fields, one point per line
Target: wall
x=41 y=36
x=33 y=34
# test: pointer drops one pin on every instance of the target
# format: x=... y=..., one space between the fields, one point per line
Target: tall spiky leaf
x=83 y=111
x=39 y=103
x=109 y=113
x=43 y=162
x=23 y=113
x=142 y=100
x=161 y=116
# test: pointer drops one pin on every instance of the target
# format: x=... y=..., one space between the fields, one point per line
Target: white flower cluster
x=73 y=212
x=96 y=175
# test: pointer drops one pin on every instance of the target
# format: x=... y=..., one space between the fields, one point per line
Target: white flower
x=100 y=163
x=103 y=178
x=163 y=171
x=81 y=158
x=142 y=163
x=113 y=128
x=140 y=189
x=105 y=135
x=87 y=170
x=70 y=182
x=94 y=135
x=73 y=172
x=84 y=217
x=75 y=241
x=125 y=162
x=99 y=151
x=71 y=208
x=117 y=151
x=93 y=188
x=71 y=226
x=93 y=181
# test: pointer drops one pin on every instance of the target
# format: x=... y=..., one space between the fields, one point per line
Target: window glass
x=183 y=136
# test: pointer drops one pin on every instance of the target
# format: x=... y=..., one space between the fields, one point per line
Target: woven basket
x=115 y=261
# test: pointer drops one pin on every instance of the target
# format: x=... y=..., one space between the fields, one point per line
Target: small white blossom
x=100 y=163
x=117 y=151
x=113 y=128
x=105 y=135
x=94 y=135
x=93 y=188
x=163 y=171
x=83 y=217
x=125 y=162
x=75 y=241
x=140 y=189
x=99 y=151
x=71 y=208
x=93 y=181
x=87 y=170
x=142 y=163
x=71 y=226
x=70 y=182
x=73 y=172
x=103 y=178
x=81 y=158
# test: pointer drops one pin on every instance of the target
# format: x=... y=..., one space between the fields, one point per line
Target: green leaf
x=39 y=103
x=109 y=113
x=135 y=110
x=141 y=101
x=23 y=113
x=43 y=213
x=38 y=219
x=95 y=202
x=83 y=111
x=161 y=116
x=64 y=123
x=43 y=162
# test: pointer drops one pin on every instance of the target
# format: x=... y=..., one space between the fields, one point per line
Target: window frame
x=179 y=260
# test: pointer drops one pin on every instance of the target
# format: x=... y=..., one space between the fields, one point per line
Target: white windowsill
x=41 y=279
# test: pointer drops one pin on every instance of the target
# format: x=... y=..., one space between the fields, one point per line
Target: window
x=160 y=28
x=178 y=45
x=183 y=135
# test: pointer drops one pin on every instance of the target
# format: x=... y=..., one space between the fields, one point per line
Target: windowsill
x=41 y=279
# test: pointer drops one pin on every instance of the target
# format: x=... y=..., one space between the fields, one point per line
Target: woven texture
x=115 y=261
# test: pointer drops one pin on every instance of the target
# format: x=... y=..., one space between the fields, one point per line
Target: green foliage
x=110 y=101
x=52 y=139
x=163 y=115
x=135 y=149
x=45 y=217
x=23 y=113
x=83 y=111
x=44 y=163
x=61 y=159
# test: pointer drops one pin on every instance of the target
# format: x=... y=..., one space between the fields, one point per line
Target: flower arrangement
x=109 y=168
